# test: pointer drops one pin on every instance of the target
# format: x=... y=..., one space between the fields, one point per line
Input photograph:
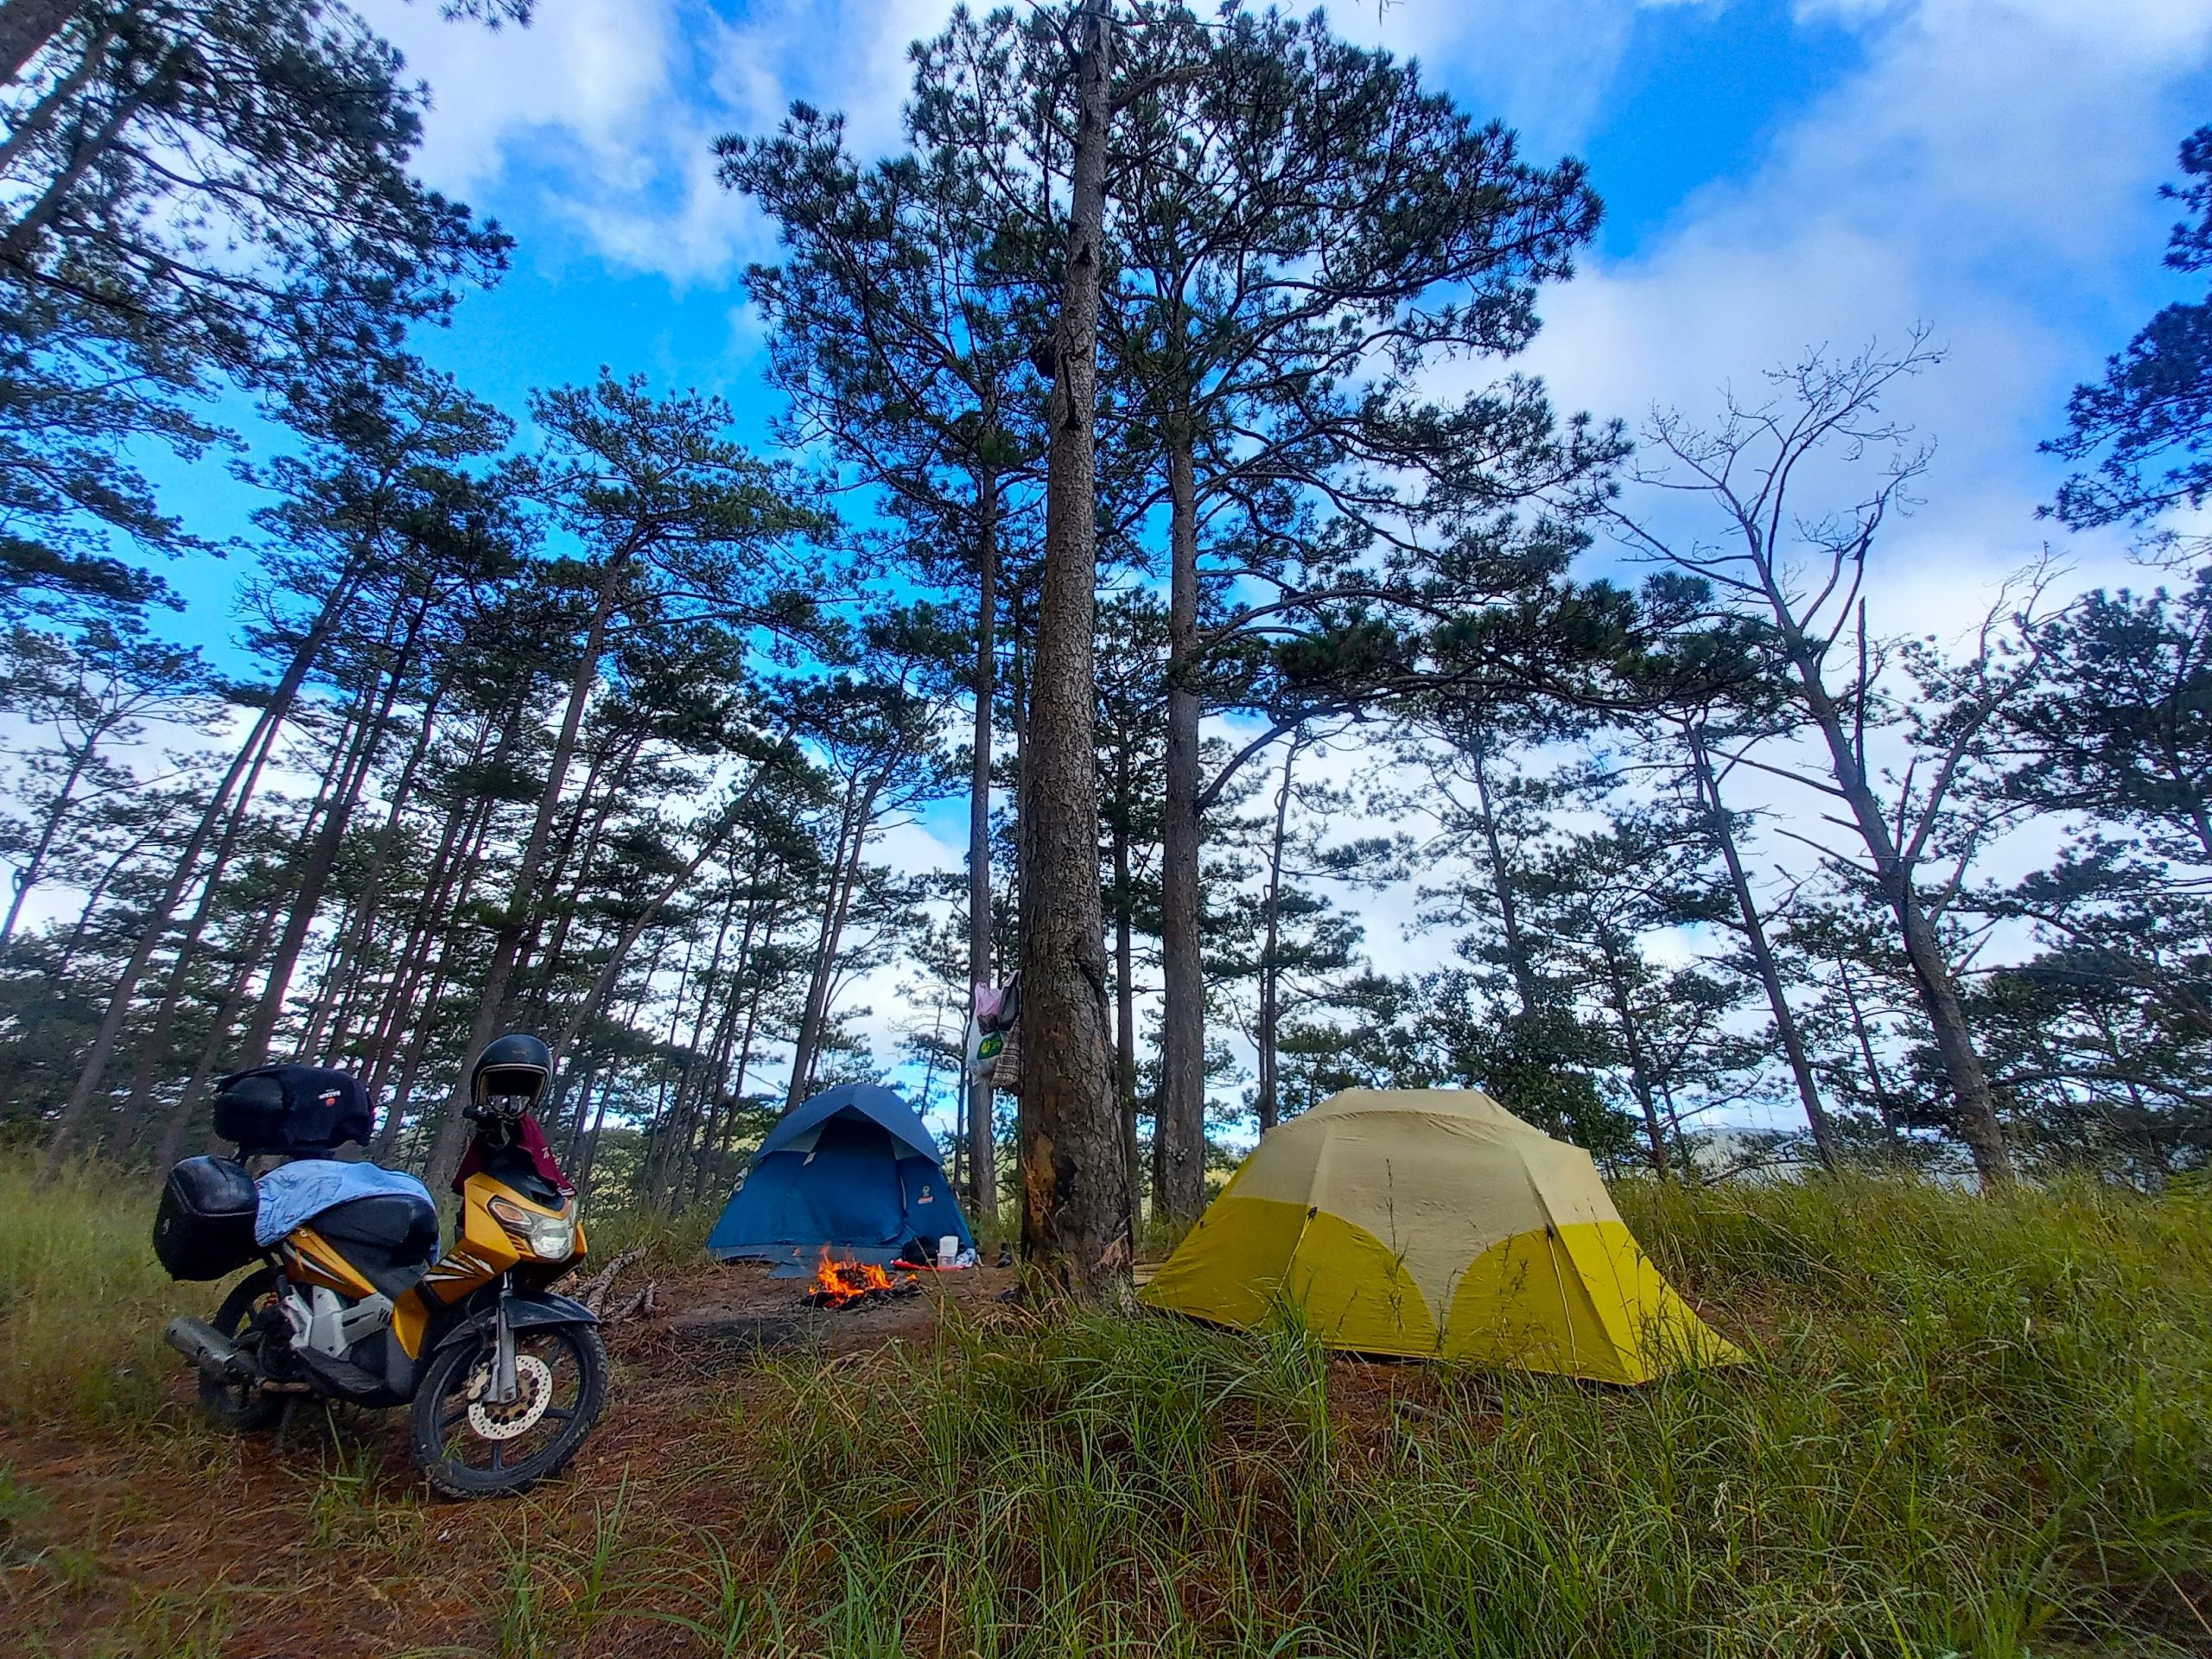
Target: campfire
x=851 y=1284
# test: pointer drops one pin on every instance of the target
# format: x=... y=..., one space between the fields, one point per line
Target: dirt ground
x=190 y=1541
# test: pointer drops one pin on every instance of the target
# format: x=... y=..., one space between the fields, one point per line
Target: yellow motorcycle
x=502 y=1377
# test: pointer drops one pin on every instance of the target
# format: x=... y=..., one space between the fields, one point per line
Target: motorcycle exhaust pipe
x=207 y=1348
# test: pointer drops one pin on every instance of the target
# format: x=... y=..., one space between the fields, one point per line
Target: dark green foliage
x=2148 y=425
x=2110 y=1028
x=206 y=191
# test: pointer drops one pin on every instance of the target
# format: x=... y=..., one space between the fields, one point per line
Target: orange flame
x=838 y=1283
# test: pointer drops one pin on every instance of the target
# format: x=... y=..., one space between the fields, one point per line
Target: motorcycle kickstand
x=284 y=1422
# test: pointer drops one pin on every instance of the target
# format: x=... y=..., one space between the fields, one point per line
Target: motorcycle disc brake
x=533 y=1393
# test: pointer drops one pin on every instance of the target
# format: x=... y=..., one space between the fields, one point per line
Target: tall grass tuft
x=82 y=1299
x=1973 y=1428
x=1970 y=1426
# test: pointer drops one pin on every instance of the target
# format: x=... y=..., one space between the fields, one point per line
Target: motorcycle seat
x=391 y=1239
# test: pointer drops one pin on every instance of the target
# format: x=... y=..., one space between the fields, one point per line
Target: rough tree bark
x=1075 y=1211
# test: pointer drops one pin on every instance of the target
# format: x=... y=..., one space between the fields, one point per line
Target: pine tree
x=904 y=346
x=1075 y=1216
x=202 y=191
x=1293 y=213
x=2144 y=427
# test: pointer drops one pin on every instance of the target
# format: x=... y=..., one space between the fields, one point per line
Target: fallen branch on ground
x=592 y=1292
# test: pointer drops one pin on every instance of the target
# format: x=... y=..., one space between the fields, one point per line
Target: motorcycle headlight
x=552 y=1238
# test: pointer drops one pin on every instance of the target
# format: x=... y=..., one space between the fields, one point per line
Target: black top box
x=295 y=1109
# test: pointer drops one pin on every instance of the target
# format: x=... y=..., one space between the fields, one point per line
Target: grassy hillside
x=1974 y=1426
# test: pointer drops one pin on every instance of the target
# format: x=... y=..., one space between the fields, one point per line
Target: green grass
x=1973 y=1427
x=82 y=1299
x=667 y=1241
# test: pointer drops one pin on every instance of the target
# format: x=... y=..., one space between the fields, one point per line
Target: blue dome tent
x=853 y=1168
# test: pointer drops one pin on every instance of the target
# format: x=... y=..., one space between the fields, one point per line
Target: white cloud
x=582 y=82
x=1544 y=68
x=1989 y=172
x=606 y=111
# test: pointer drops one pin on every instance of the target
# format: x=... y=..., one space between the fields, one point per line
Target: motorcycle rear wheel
x=241 y=1406
x=467 y=1448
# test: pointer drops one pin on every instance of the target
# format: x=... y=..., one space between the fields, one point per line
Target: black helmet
x=511 y=1074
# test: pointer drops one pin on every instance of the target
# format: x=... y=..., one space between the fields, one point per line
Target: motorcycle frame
x=448 y=1303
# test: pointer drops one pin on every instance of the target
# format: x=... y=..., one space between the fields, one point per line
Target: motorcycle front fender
x=526 y=1310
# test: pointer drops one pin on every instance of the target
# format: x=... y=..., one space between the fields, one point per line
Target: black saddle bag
x=204 y=1228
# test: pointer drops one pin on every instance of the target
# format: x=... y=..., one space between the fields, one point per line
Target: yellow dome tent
x=1433 y=1223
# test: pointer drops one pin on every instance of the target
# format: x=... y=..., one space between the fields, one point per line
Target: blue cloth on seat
x=294 y=1194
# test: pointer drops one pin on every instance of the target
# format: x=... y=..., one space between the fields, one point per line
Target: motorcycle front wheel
x=469 y=1447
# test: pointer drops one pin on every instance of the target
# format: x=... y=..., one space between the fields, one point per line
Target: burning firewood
x=849 y=1284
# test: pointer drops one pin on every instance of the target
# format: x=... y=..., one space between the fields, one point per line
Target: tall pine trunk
x=523 y=899
x=844 y=878
x=94 y=1068
x=205 y=1068
x=321 y=856
x=1075 y=1214
x=983 y=1149
x=25 y=28
x=333 y=1015
x=33 y=865
x=1269 y=1102
x=1639 y=1062
x=1125 y=990
x=1178 y=1139
x=618 y=954
x=1520 y=961
x=153 y=1049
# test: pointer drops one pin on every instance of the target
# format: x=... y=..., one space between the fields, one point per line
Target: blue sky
x=1778 y=177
